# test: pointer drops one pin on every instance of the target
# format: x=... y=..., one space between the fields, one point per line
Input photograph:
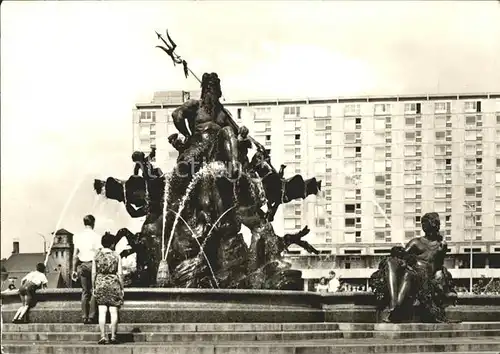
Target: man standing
x=334 y=283
x=86 y=244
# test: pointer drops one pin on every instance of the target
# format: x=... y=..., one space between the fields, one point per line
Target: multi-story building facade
x=384 y=162
x=156 y=123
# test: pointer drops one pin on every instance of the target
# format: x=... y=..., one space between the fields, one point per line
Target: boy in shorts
x=29 y=285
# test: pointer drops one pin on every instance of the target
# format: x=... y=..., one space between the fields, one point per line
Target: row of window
x=409 y=207
x=350 y=123
x=351 y=109
x=355 y=236
x=412 y=108
x=382 y=122
x=473 y=229
x=414 y=221
x=322 y=134
x=380 y=165
x=147 y=117
x=294 y=111
x=443 y=136
x=415 y=193
x=472 y=223
x=412 y=204
x=354 y=109
x=440 y=122
x=409 y=150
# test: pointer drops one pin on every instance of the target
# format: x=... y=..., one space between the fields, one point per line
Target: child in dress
x=29 y=285
x=108 y=286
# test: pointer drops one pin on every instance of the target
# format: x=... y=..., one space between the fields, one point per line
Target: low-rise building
x=58 y=268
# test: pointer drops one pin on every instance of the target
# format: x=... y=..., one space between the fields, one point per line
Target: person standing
x=322 y=286
x=86 y=245
x=333 y=283
x=107 y=282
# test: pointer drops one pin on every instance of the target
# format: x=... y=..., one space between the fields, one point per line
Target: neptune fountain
x=191 y=236
x=194 y=266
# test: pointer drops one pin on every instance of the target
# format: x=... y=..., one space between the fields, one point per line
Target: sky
x=71 y=73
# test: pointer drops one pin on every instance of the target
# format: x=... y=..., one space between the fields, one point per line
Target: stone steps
x=481 y=345
x=276 y=338
x=186 y=337
x=253 y=327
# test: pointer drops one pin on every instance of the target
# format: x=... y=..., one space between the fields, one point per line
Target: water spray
x=357 y=182
x=164 y=214
x=198 y=242
x=65 y=208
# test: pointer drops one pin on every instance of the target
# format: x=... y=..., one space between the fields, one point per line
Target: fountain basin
x=167 y=305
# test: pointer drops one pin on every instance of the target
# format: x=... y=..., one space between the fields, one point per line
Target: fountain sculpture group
x=191 y=236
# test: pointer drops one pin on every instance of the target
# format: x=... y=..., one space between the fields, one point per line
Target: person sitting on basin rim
x=29 y=285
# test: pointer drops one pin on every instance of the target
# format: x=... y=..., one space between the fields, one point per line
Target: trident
x=169 y=48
